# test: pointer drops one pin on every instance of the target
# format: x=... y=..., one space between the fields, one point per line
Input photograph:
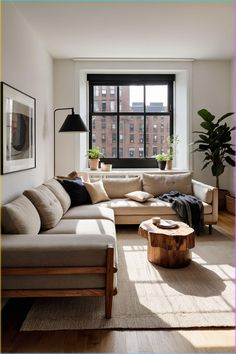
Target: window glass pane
x=131 y=98
x=131 y=131
x=104 y=98
x=102 y=136
x=157 y=130
x=156 y=98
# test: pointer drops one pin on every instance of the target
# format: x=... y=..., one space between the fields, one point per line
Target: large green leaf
x=225 y=116
x=203 y=147
x=208 y=126
x=217 y=169
x=206 y=164
x=206 y=115
x=230 y=161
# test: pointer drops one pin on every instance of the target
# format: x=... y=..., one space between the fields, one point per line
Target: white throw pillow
x=139 y=196
x=96 y=191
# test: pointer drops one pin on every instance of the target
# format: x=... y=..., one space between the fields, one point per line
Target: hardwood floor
x=98 y=341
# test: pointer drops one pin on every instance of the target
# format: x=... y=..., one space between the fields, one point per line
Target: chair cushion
x=96 y=191
x=77 y=191
x=20 y=217
x=160 y=184
x=139 y=196
x=60 y=193
x=48 y=206
x=118 y=187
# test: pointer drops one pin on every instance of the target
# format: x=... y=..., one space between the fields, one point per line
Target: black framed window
x=130 y=117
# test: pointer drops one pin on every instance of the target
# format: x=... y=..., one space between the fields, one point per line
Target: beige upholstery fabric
x=96 y=191
x=160 y=184
x=83 y=227
x=60 y=193
x=118 y=187
x=58 y=251
x=48 y=206
x=139 y=196
x=20 y=217
x=152 y=207
x=203 y=191
x=89 y=212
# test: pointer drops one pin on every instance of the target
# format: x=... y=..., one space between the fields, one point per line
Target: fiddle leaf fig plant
x=215 y=143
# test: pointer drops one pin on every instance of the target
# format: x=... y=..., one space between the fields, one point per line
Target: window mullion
x=144 y=122
x=118 y=122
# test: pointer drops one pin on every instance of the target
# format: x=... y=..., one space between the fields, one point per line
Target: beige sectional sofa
x=51 y=249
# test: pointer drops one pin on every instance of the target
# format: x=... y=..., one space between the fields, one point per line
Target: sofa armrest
x=207 y=194
x=55 y=251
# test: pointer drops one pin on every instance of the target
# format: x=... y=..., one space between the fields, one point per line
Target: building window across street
x=130 y=117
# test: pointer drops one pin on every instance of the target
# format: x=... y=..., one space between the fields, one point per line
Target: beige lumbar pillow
x=48 y=206
x=96 y=191
x=139 y=196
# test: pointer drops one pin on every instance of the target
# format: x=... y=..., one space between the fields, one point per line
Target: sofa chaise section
x=54 y=256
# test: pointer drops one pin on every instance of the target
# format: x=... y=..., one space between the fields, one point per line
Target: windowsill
x=131 y=171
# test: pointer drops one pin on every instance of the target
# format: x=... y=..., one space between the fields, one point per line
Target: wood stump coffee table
x=168 y=247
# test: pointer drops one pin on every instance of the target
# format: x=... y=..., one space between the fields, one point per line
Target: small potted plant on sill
x=94 y=154
x=172 y=142
x=161 y=160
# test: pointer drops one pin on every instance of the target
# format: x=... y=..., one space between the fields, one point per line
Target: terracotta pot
x=169 y=164
x=93 y=164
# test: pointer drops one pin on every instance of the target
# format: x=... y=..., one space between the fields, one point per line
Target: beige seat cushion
x=118 y=187
x=83 y=227
x=48 y=206
x=60 y=193
x=89 y=212
x=160 y=184
x=20 y=217
x=153 y=207
x=96 y=191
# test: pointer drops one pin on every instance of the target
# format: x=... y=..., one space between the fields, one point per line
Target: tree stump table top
x=180 y=238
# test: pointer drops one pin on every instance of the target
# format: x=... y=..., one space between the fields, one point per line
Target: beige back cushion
x=20 y=217
x=48 y=206
x=160 y=184
x=60 y=193
x=96 y=191
x=118 y=187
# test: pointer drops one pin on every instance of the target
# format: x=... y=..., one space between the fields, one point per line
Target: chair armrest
x=207 y=194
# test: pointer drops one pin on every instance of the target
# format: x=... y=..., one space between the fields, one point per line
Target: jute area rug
x=149 y=296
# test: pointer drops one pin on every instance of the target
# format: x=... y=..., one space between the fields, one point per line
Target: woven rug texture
x=149 y=296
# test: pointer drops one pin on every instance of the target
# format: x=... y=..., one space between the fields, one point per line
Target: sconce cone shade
x=73 y=123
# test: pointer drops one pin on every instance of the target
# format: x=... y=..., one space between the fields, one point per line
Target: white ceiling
x=133 y=30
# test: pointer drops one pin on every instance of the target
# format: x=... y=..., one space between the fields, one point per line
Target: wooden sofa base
x=108 y=291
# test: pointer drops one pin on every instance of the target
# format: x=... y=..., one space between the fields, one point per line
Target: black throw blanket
x=187 y=207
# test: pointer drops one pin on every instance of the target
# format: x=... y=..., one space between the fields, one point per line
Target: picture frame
x=18 y=130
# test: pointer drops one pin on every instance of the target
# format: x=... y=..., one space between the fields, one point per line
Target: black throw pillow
x=77 y=191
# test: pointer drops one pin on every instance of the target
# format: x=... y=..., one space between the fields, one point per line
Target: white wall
x=212 y=89
x=27 y=66
x=64 y=96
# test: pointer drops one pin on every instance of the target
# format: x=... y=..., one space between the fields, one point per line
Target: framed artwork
x=18 y=122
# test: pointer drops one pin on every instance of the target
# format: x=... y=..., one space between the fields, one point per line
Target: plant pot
x=222 y=198
x=162 y=165
x=230 y=204
x=93 y=164
x=169 y=164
